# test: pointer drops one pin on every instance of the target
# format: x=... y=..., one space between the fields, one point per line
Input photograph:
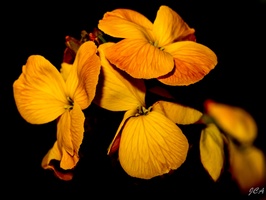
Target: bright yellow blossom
x=159 y=50
x=148 y=140
x=248 y=166
x=233 y=120
x=247 y=163
x=42 y=95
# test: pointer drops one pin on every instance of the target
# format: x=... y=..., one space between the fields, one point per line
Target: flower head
x=247 y=163
x=234 y=121
x=161 y=50
x=148 y=140
x=247 y=166
x=42 y=95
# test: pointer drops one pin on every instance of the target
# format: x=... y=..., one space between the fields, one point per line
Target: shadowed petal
x=212 y=151
x=170 y=27
x=40 y=91
x=70 y=129
x=148 y=148
x=161 y=92
x=55 y=154
x=113 y=147
x=177 y=113
x=140 y=59
x=192 y=62
x=125 y=23
x=118 y=91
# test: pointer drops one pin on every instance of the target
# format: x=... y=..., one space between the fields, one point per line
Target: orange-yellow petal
x=125 y=23
x=54 y=154
x=169 y=27
x=118 y=91
x=248 y=167
x=212 y=151
x=140 y=59
x=192 y=61
x=68 y=162
x=113 y=147
x=82 y=82
x=177 y=113
x=40 y=91
x=77 y=127
x=65 y=69
x=148 y=148
x=70 y=129
x=89 y=66
x=233 y=120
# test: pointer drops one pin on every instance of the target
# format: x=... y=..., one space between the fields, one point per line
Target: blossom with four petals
x=161 y=50
x=42 y=94
x=148 y=140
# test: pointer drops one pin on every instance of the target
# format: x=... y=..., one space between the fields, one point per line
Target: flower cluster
x=114 y=76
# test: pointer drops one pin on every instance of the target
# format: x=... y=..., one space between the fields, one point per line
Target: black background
x=235 y=31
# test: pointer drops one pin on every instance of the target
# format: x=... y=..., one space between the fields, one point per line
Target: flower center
x=143 y=111
x=71 y=104
x=156 y=44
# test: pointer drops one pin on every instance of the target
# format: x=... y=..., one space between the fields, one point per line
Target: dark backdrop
x=234 y=31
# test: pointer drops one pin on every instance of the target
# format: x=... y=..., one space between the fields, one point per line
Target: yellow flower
x=234 y=121
x=156 y=50
x=248 y=166
x=43 y=95
x=247 y=163
x=149 y=141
